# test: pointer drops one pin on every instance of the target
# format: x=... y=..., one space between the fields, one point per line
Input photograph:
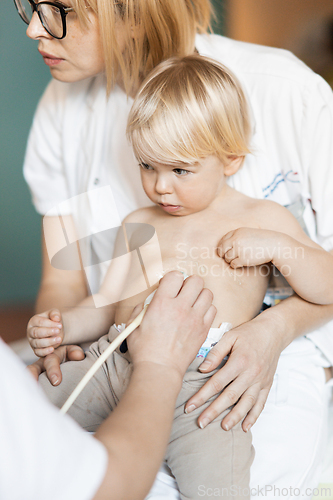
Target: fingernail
x=228 y=426
x=55 y=330
x=54 y=380
x=205 y=365
x=57 y=340
x=247 y=428
x=203 y=423
x=190 y=408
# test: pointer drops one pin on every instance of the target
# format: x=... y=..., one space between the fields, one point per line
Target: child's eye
x=181 y=171
x=145 y=166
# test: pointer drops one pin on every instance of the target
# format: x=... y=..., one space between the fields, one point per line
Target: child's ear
x=233 y=164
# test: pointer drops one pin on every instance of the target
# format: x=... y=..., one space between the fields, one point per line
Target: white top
x=43 y=455
x=78 y=144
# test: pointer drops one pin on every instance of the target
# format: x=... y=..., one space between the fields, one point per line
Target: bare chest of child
x=189 y=244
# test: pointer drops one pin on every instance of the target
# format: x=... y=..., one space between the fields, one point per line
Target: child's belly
x=238 y=294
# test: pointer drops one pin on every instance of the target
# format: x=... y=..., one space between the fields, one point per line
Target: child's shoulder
x=271 y=207
x=258 y=207
x=270 y=215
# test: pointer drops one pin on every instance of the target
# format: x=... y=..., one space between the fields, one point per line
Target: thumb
x=219 y=249
x=136 y=311
x=55 y=315
x=75 y=353
x=216 y=355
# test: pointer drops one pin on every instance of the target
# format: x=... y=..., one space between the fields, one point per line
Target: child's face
x=182 y=189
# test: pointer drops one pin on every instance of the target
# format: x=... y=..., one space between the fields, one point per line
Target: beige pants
x=205 y=462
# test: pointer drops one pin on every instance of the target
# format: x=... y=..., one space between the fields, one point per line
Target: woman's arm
x=59 y=288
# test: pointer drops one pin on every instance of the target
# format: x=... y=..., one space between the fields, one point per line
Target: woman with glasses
x=98 y=53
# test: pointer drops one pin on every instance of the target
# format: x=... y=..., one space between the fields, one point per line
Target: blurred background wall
x=22 y=79
x=23 y=76
x=303 y=26
x=296 y=25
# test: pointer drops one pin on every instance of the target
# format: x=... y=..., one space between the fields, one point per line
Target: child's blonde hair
x=153 y=31
x=187 y=109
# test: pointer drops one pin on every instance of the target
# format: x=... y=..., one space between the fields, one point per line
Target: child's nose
x=163 y=185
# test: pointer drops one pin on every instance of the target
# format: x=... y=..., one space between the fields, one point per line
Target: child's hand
x=245 y=247
x=45 y=332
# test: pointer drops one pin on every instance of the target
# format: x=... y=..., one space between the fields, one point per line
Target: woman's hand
x=45 y=332
x=254 y=349
x=51 y=363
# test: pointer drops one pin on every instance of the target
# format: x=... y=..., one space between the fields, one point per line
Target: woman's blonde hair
x=187 y=109
x=152 y=31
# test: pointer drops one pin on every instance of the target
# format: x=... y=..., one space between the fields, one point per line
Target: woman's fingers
x=244 y=400
x=203 y=302
x=216 y=355
x=74 y=353
x=170 y=285
x=244 y=405
x=36 y=368
x=52 y=366
x=213 y=386
x=256 y=410
x=210 y=316
x=192 y=290
x=51 y=363
x=136 y=311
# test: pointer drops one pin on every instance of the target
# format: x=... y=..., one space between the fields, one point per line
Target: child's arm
x=85 y=322
x=305 y=265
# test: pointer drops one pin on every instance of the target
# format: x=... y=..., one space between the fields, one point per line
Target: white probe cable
x=98 y=363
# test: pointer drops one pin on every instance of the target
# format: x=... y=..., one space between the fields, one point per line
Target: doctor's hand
x=175 y=325
x=246 y=378
x=51 y=363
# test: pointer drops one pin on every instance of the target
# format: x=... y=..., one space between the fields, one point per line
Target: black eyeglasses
x=52 y=15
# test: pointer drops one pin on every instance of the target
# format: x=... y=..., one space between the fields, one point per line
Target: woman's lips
x=169 y=208
x=49 y=59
